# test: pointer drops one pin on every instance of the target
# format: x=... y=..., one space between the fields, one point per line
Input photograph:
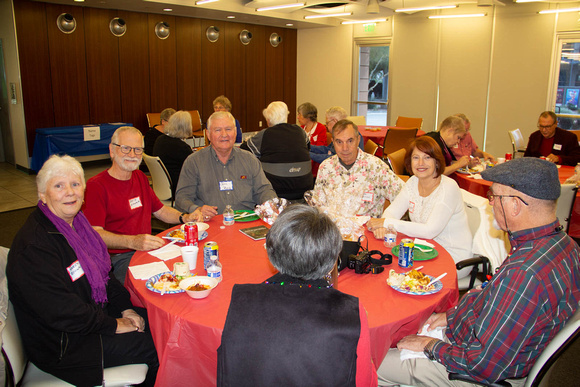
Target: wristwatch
x=181 y=217
x=428 y=350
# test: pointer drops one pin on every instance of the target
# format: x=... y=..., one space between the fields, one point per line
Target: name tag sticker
x=75 y=271
x=368 y=197
x=558 y=146
x=411 y=207
x=135 y=203
x=226 y=185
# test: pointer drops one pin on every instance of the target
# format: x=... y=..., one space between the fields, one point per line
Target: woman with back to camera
x=434 y=202
x=73 y=314
x=297 y=320
x=171 y=148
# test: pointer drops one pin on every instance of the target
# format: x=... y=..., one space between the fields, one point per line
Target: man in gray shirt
x=220 y=174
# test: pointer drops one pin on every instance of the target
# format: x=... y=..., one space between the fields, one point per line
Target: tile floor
x=18 y=189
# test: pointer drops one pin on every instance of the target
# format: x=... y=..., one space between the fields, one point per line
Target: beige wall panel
x=324 y=70
x=464 y=70
x=521 y=71
x=413 y=70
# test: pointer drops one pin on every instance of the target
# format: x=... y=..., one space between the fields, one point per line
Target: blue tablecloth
x=70 y=140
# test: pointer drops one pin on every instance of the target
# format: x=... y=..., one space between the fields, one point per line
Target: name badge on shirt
x=226 y=185
x=368 y=197
x=558 y=146
x=411 y=207
x=135 y=203
x=75 y=271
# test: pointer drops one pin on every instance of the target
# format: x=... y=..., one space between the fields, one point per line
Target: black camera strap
x=378 y=263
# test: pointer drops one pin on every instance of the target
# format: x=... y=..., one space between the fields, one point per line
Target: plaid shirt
x=499 y=332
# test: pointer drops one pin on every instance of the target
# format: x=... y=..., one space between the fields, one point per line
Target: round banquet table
x=187 y=332
x=480 y=187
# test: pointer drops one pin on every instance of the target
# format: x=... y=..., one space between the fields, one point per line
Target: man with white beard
x=119 y=203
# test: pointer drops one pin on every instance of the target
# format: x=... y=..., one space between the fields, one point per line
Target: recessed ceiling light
x=79 y=1
x=231 y=17
x=293 y=5
x=289 y=24
x=167 y=9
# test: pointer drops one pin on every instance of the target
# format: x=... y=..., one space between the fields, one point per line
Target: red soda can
x=190 y=234
x=508 y=156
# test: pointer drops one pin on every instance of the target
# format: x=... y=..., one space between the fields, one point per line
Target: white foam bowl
x=197 y=294
x=201 y=227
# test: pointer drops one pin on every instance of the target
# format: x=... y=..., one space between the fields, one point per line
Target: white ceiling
x=244 y=11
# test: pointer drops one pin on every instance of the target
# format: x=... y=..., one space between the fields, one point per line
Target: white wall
x=495 y=69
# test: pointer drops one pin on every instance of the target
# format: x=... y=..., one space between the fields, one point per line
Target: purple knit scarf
x=89 y=248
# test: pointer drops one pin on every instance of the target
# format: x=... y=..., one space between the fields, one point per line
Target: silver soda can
x=209 y=249
x=406 y=253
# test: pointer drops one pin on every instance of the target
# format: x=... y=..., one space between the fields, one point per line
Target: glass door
x=372 y=82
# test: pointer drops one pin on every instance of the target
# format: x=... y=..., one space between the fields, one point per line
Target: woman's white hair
x=58 y=166
x=179 y=125
x=276 y=113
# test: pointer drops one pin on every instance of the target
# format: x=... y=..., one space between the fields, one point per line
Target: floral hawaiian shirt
x=361 y=190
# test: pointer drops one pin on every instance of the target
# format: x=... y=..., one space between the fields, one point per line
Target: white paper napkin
x=166 y=252
x=148 y=270
x=436 y=333
x=423 y=242
x=476 y=176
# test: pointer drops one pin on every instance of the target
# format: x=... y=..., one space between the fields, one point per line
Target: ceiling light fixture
x=559 y=10
x=293 y=5
x=289 y=24
x=201 y=2
x=528 y=1
x=327 y=15
x=424 y=8
x=231 y=17
x=167 y=9
x=363 y=21
x=457 y=16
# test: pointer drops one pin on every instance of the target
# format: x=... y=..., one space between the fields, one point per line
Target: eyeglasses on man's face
x=545 y=126
x=126 y=149
x=491 y=196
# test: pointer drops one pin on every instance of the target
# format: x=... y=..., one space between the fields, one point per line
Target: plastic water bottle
x=390 y=236
x=214 y=270
x=228 y=216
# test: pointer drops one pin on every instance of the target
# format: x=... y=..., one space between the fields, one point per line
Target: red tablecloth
x=379 y=136
x=480 y=187
x=187 y=332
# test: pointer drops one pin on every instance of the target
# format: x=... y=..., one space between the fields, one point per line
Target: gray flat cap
x=535 y=177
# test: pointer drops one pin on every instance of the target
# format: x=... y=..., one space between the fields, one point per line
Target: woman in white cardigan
x=434 y=202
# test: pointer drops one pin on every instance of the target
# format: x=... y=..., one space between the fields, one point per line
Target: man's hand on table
x=146 y=242
x=207 y=212
x=553 y=158
x=195 y=216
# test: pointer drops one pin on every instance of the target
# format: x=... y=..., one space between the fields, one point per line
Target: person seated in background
x=553 y=143
x=171 y=148
x=119 y=202
x=153 y=133
x=304 y=333
x=307 y=118
x=223 y=104
x=498 y=332
x=434 y=203
x=319 y=153
x=352 y=173
x=283 y=150
x=221 y=174
x=467 y=145
x=73 y=315
x=447 y=136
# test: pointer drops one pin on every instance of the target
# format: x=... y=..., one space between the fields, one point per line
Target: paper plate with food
x=413 y=282
x=178 y=235
x=164 y=283
x=468 y=171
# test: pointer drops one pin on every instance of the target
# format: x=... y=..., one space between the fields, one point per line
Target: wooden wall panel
x=290 y=64
x=274 y=67
x=212 y=63
x=235 y=70
x=256 y=79
x=162 y=65
x=30 y=19
x=102 y=64
x=188 y=47
x=134 y=70
x=68 y=68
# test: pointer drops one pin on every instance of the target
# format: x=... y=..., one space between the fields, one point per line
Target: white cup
x=501 y=160
x=189 y=254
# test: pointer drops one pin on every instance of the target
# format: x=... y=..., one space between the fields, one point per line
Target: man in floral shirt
x=353 y=181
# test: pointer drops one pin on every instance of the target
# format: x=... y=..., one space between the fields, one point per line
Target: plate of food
x=245 y=216
x=178 y=235
x=420 y=253
x=413 y=282
x=164 y=283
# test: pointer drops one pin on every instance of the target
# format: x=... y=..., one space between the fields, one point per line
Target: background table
x=187 y=332
x=379 y=136
x=480 y=187
x=70 y=140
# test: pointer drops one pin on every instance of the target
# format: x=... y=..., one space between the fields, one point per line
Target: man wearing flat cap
x=498 y=332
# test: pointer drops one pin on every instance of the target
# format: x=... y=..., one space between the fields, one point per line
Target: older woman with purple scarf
x=74 y=317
